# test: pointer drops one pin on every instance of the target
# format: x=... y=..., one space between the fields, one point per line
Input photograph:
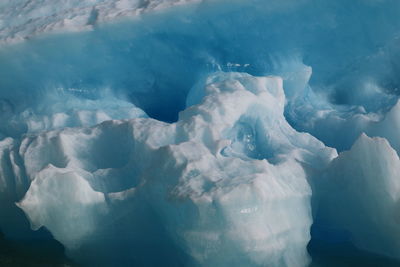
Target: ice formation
x=360 y=195
x=215 y=162
x=215 y=133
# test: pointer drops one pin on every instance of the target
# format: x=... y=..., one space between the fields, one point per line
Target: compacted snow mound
x=225 y=184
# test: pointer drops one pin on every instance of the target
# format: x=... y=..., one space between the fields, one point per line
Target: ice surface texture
x=202 y=135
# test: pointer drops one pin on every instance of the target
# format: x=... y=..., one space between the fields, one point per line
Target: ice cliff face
x=201 y=135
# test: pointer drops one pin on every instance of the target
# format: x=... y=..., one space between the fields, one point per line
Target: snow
x=24 y=19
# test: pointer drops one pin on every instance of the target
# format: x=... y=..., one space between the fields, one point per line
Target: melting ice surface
x=204 y=134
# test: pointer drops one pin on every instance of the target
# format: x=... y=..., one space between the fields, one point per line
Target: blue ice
x=212 y=133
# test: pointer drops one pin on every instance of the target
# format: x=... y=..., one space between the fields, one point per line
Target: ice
x=64 y=109
x=360 y=196
x=54 y=190
x=199 y=133
x=349 y=121
x=212 y=193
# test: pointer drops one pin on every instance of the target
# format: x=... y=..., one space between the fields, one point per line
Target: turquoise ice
x=207 y=133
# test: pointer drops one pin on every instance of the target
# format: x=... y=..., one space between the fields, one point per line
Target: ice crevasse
x=237 y=171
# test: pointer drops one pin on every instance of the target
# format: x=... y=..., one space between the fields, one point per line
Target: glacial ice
x=360 y=193
x=205 y=134
x=202 y=165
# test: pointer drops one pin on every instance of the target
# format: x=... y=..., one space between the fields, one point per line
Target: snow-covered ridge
x=23 y=19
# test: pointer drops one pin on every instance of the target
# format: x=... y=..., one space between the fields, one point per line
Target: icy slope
x=360 y=195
